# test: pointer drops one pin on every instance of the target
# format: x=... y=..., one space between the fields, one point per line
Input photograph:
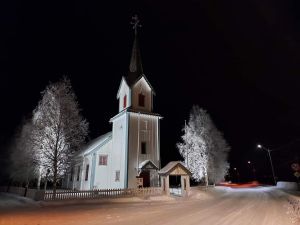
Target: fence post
x=39 y=195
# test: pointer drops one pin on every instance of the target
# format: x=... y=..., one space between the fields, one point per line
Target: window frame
x=103 y=160
x=72 y=174
x=78 y=173
x=124 y=101
x=117 y=176
x=143 y=147
x=87 y=167
x=141 y=100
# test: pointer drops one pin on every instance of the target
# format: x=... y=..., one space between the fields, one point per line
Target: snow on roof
x=94 y=143
x=129 y=109
x=147 y=162
x=172 y=165
x=131 y=83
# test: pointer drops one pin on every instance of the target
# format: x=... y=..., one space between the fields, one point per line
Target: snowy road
x=215 y=207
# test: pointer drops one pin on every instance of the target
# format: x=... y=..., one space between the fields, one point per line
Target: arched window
x=141 y=100
x=124 y=101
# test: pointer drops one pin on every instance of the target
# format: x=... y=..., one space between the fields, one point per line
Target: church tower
x=136 y=132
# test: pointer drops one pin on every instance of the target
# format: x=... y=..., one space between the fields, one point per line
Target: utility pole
x=270 y=158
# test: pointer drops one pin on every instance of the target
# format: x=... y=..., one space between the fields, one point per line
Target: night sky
x=240 y=60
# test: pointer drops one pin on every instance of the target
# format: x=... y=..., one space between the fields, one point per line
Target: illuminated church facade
x=132 y=149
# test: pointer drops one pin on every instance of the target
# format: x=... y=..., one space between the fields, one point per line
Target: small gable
x=178 y=171
x=122 y=87
x=124 y=95
x=174 y=168
x=142 y=95
x=147 y=164
x=145 y=82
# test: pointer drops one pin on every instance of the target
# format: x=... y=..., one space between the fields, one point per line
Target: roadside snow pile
x=10 y=201
x=202 y=193
x=293 y=209
x=161 y=198
x=293 y=186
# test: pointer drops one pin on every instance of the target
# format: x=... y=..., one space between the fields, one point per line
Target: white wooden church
x=131 y=151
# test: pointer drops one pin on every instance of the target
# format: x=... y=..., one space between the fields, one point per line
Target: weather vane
x=136 y=23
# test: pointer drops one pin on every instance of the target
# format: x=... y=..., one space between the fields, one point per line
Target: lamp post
x=269 y=154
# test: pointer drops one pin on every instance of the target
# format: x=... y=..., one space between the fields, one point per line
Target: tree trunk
x=54 y=177
x=26 y=187
x=206 y=178
x=39 y=180
x=9 y=184
x=45 y=184
x=54 y=172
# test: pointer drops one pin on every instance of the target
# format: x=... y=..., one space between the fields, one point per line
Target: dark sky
x=240 y=60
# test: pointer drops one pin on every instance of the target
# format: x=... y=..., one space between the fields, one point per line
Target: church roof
x=94 y=143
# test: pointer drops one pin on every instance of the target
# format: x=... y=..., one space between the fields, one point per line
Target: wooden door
x=146 y=178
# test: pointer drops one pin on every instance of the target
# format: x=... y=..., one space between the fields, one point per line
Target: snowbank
x=134 y=199
x=10 y=201
x=293 y=186
x=293 y=208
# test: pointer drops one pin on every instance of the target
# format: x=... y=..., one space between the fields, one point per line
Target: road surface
x=220 y=206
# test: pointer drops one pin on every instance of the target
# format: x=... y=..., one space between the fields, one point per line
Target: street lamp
x=269 y=153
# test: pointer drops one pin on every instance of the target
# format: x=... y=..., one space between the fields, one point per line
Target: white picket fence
x=175 y=191
x=96 y=194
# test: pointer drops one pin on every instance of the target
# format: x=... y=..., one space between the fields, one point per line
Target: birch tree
x=193 y=148
x=204 y=148
x=23 y=158
x=60 y=129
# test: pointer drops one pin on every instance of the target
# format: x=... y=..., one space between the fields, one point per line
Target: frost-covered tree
x=193 y=148
x=60 y=129
x=23 y=158
x=204 y=148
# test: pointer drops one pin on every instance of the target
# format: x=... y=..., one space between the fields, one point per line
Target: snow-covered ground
x=216 y=206
x=11 y=201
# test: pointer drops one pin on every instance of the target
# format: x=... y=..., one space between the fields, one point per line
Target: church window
x=102 y=160
x=78 y=173
x=72 y=174
x=117 y=175
x=125 y=101
x=143 y=147
x=87 y=172
x=141 y=100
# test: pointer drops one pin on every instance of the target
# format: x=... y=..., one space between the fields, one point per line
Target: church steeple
x=135 y=66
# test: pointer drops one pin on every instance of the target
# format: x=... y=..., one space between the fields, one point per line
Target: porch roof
x=147 y=164
x=176 y=168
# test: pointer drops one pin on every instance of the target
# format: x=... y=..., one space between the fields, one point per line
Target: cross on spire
x=135 y=23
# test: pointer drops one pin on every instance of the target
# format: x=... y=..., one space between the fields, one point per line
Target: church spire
x=135 y=66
